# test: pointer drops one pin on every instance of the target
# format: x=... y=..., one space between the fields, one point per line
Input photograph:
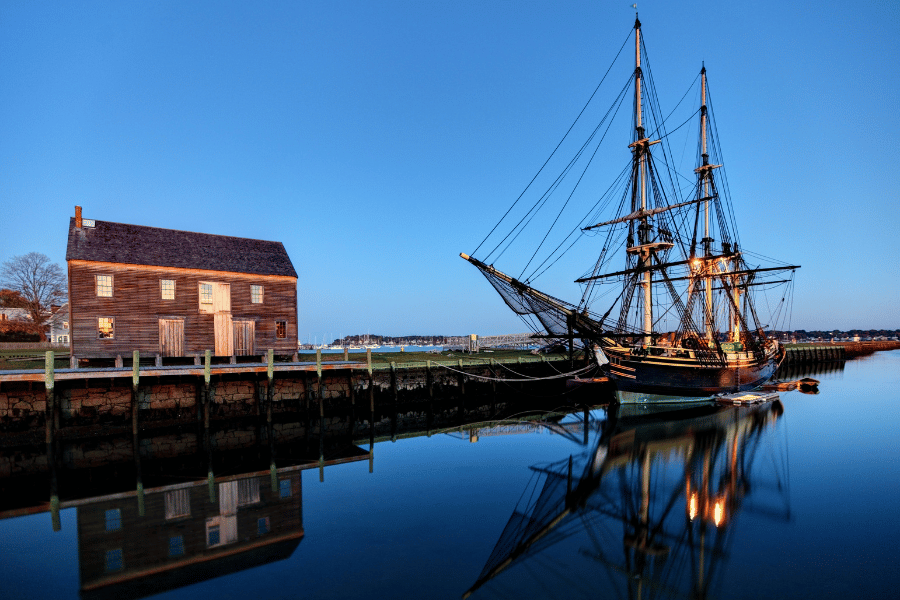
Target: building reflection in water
x=652 y=505
x=186 y=533
x=171 y=509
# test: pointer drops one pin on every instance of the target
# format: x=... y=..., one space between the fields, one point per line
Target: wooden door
x=224 y=334
x=222 y=309
x=221 y=297
x=244 y=336
x=171 y=337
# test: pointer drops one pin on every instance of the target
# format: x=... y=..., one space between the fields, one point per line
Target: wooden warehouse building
x=176 y=293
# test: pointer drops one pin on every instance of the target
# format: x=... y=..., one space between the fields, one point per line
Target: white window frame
x=205 y=290
x=163 y=288
x=178 y=503
x=112 y=323
x=102 y=289
x=247 y=491
x=257 y=294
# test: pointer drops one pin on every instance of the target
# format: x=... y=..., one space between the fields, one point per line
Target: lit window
x=262 y=526
x=281 y=329
x=256 y=294
x=65 y=324
x=106 y=328
x=104 y=286
x=284 y=488
x=167 y=287
x=114 y=560
x=176 y=546
x=113 y=519
x=178 y=503
x=205 y=293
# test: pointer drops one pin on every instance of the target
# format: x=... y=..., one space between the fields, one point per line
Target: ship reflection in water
x=621 y=502
x=652 y=505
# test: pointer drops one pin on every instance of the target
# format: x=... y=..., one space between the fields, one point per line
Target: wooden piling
x=50 y=405
x=211 y=484
x=135 y=381
x=50 y=387
x=394 y=381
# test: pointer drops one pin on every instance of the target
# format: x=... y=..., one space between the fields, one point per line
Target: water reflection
x=187 y=533
x=157 y=512
x=652 y=506
x=793 y=372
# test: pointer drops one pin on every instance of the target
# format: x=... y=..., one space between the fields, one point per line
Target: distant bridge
x=473 y=342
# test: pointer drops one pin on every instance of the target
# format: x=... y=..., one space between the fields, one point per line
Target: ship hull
x=666 y=379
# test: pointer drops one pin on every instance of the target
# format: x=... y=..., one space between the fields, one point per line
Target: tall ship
x=669 y=300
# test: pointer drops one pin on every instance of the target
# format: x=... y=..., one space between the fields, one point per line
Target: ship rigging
x=680 y=317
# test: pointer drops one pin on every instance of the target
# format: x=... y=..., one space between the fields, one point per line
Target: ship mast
x=640 y=148
x=705 y=174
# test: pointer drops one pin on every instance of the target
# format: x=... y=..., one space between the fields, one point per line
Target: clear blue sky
x=377 y=140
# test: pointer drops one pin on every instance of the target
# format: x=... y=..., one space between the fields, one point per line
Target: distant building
x=58 y=325
x=15 y=314
x=176 y=293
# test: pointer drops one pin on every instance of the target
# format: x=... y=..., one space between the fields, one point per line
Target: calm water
x=797 y=499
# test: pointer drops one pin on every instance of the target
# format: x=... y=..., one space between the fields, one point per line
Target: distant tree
x=38 y=281
x=12 y=299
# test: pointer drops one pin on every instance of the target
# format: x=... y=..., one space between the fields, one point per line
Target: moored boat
x=683 y=322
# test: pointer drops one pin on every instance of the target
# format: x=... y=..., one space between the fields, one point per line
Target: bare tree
x=40 y=282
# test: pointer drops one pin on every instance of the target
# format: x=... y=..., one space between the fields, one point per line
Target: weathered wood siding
x=137 y=307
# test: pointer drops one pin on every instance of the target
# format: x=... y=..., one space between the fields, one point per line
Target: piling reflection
x=652 y=506
x=159 y=511
x=789 y=372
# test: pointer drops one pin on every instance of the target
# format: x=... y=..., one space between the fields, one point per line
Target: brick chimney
x=78 y=217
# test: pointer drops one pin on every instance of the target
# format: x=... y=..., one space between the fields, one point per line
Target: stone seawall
x=169 y=400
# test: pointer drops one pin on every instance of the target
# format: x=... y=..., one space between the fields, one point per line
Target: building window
x=205 y=293
x=113 y=519
x=104 y=286
x=213 y=535
x=281 y=329
x=114 y=560
x=284 y=488
x=106 y=328
x=167 y=288
x=176 y=546
x=221 y=530
x=262 y=526
x=256 y=294
x=248 y=491
x=62 y=339
x=65 y=324
x=178 y=503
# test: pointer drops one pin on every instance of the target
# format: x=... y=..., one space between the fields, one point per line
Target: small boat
x=740 y=398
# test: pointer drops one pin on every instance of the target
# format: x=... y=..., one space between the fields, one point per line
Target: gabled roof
x=153 y=246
